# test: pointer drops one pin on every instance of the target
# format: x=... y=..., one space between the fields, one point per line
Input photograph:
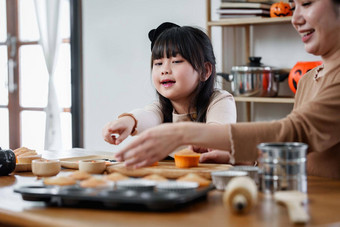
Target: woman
x=315 y=119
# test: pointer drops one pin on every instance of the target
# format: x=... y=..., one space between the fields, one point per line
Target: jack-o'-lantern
x=280 y=9
x=299 y=69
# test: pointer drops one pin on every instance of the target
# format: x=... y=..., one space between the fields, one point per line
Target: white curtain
x=48 y=12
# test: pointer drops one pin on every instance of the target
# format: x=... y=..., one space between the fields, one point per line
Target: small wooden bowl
x=45 y=168
x=92 y=166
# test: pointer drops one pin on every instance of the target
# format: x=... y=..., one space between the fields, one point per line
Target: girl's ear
x=208 y=71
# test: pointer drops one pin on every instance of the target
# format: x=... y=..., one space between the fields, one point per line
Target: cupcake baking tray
x=111 y=198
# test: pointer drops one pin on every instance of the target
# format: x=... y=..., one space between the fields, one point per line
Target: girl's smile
x=167 y=83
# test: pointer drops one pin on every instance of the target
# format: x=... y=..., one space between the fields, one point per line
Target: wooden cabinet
x=248 y=24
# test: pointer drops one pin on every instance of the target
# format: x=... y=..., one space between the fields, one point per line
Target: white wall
x=116 y=56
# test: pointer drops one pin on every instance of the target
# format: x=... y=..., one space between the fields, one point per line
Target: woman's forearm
x=204 y=135
x=156 y=143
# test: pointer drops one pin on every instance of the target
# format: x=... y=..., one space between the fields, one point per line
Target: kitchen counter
x=323 y=207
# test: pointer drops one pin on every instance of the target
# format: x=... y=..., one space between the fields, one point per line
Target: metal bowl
x=253 y=172
x=221 y=178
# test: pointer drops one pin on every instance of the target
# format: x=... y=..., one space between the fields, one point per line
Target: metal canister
x=283 y=166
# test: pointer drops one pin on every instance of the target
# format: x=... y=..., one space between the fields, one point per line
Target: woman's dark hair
x=195 y=46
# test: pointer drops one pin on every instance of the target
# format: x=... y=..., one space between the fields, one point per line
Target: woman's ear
x=208 y=71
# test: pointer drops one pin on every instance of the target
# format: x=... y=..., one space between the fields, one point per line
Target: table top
x=323 y=207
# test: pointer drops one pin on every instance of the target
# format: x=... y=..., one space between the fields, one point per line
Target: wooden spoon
x=293 y=200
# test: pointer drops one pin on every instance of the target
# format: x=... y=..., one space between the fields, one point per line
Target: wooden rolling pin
x=240 y=194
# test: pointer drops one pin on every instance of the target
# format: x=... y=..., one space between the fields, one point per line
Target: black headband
x=154 y=33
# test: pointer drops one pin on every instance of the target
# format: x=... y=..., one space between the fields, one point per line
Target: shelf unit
x=249 y=100
x=247 y=23
x=241 y=21
x=265 y=99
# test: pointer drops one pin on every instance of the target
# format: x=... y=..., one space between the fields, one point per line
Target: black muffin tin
x=111 y=198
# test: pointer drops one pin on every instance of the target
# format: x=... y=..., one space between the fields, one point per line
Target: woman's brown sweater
x=314 y=120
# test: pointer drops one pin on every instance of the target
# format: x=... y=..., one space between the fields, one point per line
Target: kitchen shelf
x=265 y=99
x=247 y=24
x=241 y=21
x=249 y=100
x=249 y=21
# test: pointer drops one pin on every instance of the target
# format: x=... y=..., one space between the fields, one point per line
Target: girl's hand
x=198 y=149
x=123 y=127
x=216 y=156
x=212 y=156
x=151 y=146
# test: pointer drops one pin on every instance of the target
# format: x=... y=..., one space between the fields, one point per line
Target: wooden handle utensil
x=293 y=201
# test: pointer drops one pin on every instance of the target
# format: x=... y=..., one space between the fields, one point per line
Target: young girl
x=183 y=73
x=314 y=120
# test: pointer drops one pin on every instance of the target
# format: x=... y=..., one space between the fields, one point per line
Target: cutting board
x=168 y=170
x=72 y=163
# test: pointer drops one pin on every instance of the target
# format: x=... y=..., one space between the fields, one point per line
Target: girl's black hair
x=195 y=46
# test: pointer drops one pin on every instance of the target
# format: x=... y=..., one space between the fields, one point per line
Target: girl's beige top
x=315 y=120
x=221 y=110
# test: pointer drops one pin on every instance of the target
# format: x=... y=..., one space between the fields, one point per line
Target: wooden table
x=323 y=207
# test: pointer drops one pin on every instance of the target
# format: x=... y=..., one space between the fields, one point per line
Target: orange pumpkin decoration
x=299 y=69
x=280 y=9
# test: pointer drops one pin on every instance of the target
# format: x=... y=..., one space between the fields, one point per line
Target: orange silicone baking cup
x=186 y=161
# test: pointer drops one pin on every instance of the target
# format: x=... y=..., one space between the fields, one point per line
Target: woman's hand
x=156 y=143
x=151 y=146
x=123 y=127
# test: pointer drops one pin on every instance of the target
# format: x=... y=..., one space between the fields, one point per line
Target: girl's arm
x=221 y=110
x=148 y=117
x=132 y=123
x=156 y=143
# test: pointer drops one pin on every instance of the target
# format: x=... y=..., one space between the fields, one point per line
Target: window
x=24 y=77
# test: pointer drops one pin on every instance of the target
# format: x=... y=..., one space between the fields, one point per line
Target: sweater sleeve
x=148 y=117
x=316 y=123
